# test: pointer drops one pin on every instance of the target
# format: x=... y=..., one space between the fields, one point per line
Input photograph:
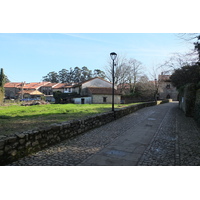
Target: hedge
x=197 y=107
x=189 y=100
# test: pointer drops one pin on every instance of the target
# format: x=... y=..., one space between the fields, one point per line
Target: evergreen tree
x=186 y=74
x=51 y=77
x=2 y=82
x=63 y=76
x=75 y=75
x=99 y=73
x=86 y=74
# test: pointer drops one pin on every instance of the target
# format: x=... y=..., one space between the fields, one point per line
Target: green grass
x=17 y=118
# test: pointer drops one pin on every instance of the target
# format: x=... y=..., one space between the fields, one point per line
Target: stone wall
x=18 y=145
x=98 y=99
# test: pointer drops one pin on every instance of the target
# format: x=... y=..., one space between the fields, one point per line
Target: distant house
x=12 y=89
x=65 y=88
x=103 y=95
x=47 y=90
x=30 y=94
x=97 y=91
x=23 y=90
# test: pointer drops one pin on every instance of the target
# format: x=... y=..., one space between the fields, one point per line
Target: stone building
x=12 y=89
x=23 y=90
x=165 y=88
x=96 y=91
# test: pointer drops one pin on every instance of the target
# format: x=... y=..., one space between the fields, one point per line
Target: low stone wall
x=13 y=147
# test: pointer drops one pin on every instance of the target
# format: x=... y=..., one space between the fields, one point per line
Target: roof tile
x=101 y=90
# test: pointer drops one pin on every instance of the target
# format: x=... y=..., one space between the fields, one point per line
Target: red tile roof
x=50 y=84
x=59 y=86
x=34 y=85
x=102 y=90
x=63 y=85
x=13 y=85
x=81 y=83
x=164 y=77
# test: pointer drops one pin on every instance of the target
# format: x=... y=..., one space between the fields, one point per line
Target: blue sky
x=40 y=36
x=30 y=56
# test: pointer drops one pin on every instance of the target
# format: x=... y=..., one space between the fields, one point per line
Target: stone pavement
x=157 y=135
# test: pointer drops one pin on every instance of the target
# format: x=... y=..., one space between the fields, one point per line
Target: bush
x=181 y=91
x=57 y=96
x=1 y=95
x=189 y=99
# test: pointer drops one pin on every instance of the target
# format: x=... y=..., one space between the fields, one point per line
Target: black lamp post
x=113 y=56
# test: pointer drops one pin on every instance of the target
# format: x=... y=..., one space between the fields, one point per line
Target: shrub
x=181 y=91
x=189 y=99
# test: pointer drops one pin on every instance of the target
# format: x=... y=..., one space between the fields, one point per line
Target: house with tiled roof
x=65 y=87
x=21 y=90
x=103 y=95
x=30 y=94
x=96 y=91
x=12 y=89
x=34 y=86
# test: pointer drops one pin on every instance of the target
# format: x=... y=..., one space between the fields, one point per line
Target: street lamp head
x=113 y=55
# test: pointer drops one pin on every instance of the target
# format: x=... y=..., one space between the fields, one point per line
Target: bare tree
x=120 y=70
x=135 y=71
x=127 y=72
x=176 y=61
x=146 y=89
x=192 y=38
x=189 y=37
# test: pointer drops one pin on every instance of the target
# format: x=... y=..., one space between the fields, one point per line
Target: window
x=168 y=86
x=104 y=99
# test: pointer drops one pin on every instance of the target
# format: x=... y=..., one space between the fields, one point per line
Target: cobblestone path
x=163 y=149
x=176 y=141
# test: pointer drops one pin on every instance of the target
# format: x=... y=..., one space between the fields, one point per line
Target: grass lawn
x=17 y=118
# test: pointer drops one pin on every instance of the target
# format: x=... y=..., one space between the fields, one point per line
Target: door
x=82 y=101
